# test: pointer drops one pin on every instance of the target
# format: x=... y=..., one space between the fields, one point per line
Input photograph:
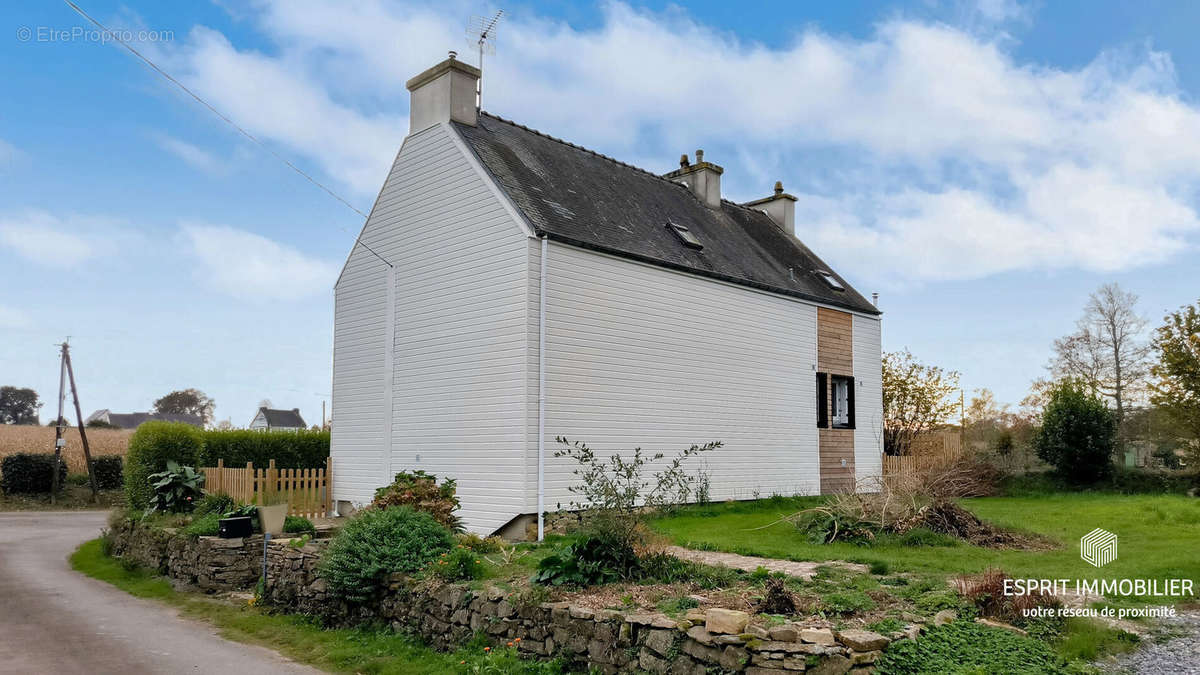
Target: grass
x=71 y=497
x=359 y=650
x=1159 y=535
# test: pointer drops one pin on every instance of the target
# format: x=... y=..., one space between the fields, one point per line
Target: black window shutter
x=822 y=401
x=850 y=402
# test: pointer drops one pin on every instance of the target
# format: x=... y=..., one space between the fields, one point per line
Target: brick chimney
x=442 y=93
x=781 y=207
x=704 y=179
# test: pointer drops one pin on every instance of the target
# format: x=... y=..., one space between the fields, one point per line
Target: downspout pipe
x=541 y=505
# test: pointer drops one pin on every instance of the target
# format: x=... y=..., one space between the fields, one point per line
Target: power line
x=116 y=38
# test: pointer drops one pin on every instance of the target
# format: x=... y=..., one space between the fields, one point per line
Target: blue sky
x=982 y=165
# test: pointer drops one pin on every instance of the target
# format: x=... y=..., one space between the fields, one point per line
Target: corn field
x=29 y=438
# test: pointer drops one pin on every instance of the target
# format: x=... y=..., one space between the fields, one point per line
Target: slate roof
x=134 y=420
x=575 y=196
x=283 y=418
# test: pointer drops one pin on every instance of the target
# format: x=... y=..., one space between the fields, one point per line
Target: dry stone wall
x=449 y=615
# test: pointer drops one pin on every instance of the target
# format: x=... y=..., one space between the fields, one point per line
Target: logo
x=1098 y=547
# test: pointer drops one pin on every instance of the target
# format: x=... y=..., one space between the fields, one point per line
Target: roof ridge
x=567 y=143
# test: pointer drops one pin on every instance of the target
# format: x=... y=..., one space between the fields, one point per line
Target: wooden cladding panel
x=835 y=342
x=835 y=355
x=836 y=445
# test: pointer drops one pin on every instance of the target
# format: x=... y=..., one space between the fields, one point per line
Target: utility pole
x=59 y=442
x=87 y=453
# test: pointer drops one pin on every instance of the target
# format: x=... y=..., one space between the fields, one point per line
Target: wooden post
x=272 y=480
x=250 y=489
x=87 y=453
x=58 y=422
x=328 y=486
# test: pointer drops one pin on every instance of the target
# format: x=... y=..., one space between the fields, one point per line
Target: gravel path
x=1178 y=656
x=803 y=570
x=55 y=620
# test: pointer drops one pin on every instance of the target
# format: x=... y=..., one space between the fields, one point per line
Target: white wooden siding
x=642 y=356
x=868 y=400
x=458 y=367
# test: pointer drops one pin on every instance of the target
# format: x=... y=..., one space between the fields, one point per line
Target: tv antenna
x=481 y=32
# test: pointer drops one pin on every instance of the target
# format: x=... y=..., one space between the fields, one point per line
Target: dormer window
x=831 y=280
x=685 y=235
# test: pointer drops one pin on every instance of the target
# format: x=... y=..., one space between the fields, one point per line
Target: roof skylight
x=685 y=235
x=831 y=280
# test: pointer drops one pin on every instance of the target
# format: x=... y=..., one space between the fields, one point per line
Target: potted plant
x=272 y=514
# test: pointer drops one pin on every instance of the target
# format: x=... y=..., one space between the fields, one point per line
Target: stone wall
x=208 y=563
x=447 y=616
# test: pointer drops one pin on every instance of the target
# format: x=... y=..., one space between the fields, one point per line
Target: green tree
x=19 y=405
x=1078 y=434
x=916 y=398
x=187 y=402
x=1176 y=383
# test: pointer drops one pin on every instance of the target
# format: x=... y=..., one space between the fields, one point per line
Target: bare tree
x=1108 y=351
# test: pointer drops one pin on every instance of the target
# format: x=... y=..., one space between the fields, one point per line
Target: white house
x=269 y=419
x=510 y=287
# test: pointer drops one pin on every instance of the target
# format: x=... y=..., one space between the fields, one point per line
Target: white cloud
x=925 y=142
x=189 y=153
x=13 y=318
x=43 y=238
x=254 y=268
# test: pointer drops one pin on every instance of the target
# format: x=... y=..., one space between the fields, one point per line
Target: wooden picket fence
x=306 y=491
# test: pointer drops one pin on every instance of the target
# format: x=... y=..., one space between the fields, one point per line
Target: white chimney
x=704 y=179
x=781 y=207
x=442 y=93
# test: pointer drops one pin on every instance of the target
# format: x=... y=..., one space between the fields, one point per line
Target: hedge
x=155 y=442
x=109 y=472
x=289 y=449
x=149 y=449
x=30 y=473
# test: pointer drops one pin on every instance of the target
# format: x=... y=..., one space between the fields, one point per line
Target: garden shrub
x=219 y=504
x=30 y=473
x=421 y=491
x=966 y=647
x=79 y=479
x=458 y=564
x=590 y=560
x=378 y=542
x=1078 y=435
x=109 y=472
x=986 y=592
x=298 y=525
x=290 y=449
x=480 y=544
x=150 y=447
x=176 y=490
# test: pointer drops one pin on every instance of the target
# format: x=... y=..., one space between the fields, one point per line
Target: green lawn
x=1159 y=536
x=362 y=650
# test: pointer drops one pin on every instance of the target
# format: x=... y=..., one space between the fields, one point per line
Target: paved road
x=55 y=620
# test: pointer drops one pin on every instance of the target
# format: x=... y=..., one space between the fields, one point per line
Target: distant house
x=136 y=419
x=269 y=419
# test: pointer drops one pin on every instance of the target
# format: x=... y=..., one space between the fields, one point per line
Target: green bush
x=458 y=564
x=421 y=491
x=150 y=447
x=298 y=525
x=289 y=449
x=176 y=490
x=30 y=473
x=591 y=560
x=219 y=504
x=109 y=472
x=80 y=479
x=378 y=542
x=965 y=647
x=1078 y=435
